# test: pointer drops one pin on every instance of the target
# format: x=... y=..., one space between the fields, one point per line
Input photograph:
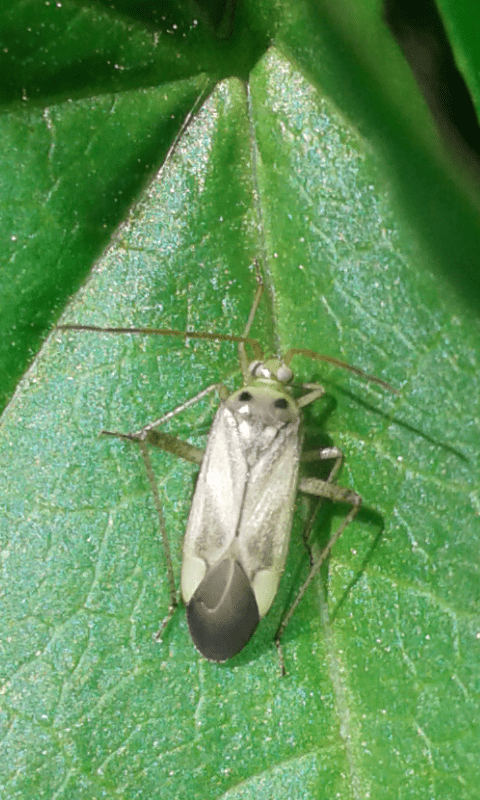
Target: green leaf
x=381 y=698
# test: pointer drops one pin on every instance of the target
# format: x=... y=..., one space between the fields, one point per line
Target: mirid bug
x=238 y=530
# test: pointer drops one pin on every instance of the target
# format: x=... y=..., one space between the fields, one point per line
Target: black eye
x=281 y=403
x=244 y=396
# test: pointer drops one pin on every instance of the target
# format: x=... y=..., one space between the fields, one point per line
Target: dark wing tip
x=223 y=613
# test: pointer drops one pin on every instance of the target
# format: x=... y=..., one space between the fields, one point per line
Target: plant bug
x=238 y=531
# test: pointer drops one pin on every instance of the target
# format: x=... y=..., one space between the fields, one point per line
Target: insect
x=238 y=531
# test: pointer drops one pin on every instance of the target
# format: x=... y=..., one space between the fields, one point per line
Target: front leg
x=179 y=448
x=165 y=441
x=171 y=444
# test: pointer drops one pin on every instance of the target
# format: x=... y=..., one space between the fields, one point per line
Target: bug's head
x=272 y=371
x=265 y=399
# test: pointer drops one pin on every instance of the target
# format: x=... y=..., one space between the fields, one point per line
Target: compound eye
x=284 y=374
x=244 y=397
x=281 y=402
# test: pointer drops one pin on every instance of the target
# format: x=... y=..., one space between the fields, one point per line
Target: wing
x=266 y=518
x=238 y=530
x=217 y=502
x=243 y=506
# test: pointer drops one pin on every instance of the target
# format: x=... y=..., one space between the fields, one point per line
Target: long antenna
x=302 y=351
x=230 y=337
x=215 y=337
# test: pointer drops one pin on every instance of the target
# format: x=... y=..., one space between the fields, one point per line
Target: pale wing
x=264 y=530
x=217 y=501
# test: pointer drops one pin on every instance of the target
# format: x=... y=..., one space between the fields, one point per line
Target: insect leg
x=166 y=544
x=171 y=444
x=214 y=387
x=328 y=490
x=325 y=454
x=316 y=391
x=166 y=441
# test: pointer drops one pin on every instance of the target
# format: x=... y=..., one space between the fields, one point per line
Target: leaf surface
x=381 y=698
